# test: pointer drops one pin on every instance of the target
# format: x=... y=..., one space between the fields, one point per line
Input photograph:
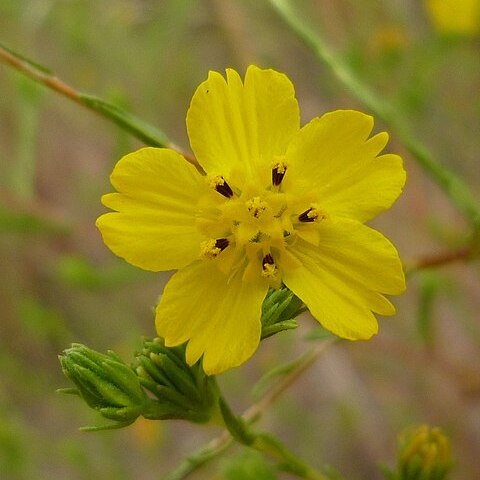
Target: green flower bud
x=183 y=391
x=424 y=454
x=279 y=309
x=105 y=383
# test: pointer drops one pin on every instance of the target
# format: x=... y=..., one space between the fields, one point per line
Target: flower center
x=256 y=225
x=256 y=206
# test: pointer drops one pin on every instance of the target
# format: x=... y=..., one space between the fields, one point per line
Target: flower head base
x=279 y=204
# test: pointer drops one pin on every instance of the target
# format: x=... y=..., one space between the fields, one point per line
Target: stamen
x=278 y=172
x=220 y=185
x=313 y=214
x=211 y=248
x=269 y=268
x=222 y=243
x=256 y=206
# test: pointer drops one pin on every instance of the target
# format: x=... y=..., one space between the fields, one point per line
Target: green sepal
x=110 y=426
x=278 y=327
x=153 y=371
x=279 y=309
x=68 y=391
x=108 y=391
x=181 y=378
x=125 y=376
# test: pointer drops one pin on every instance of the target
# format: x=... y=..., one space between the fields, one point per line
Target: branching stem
x=221 y=443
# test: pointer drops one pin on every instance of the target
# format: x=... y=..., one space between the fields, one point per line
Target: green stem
x=288 y=461
x=267 y=444
x=203 y=455
x=453 y=186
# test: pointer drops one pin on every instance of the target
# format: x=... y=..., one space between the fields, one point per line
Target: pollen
x=256 y=206
x=269 y=269
x=218 y=183
x=313 y=214
x=209 y=249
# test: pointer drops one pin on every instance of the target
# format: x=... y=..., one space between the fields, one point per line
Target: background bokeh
x=60 y=284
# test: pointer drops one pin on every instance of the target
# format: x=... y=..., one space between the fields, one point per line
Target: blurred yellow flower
x=279 y=203
x=455 y=17
x=425 y=453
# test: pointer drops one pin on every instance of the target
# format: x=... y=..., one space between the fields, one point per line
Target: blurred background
x=60 y=284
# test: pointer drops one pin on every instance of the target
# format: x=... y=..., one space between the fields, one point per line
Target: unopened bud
x=105 y=383
x=183 y=391
x=424 y=454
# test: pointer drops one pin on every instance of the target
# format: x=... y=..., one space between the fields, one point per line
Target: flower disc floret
x=279 y=204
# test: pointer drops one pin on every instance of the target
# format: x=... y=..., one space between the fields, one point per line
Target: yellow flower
x=279 y=203
x=455 y=17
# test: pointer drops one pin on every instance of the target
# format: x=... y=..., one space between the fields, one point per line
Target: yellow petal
x=219 y=315
x=333 y=157
x=342 y=280
x=236 y=127
x=154 y=224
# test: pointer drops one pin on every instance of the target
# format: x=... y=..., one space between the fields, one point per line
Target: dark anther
x=222 y=243
x=267 y=260
x=304 y=217
x=224 y=189
x=278 y=172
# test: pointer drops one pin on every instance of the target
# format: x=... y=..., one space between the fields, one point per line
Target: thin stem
x=267 y=444
x=288 y=461
x=38 y=73
x=193 y=462
x=453 y=186
x=220 y=444
x=138 y=128
x=441 y=259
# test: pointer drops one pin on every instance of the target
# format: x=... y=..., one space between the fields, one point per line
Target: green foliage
x=78 y=272
x=43 y=324
x=26 y=223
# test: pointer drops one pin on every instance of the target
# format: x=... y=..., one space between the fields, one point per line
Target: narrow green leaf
x=147 y=133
